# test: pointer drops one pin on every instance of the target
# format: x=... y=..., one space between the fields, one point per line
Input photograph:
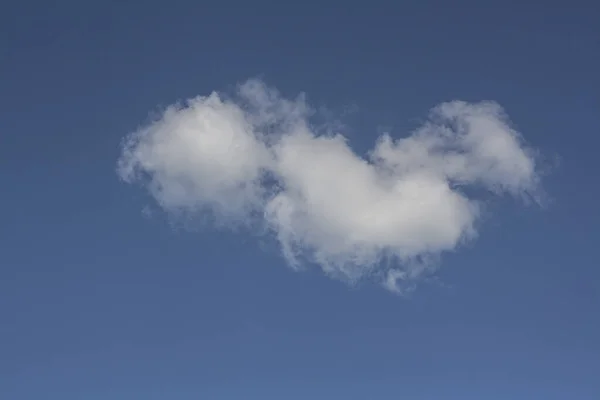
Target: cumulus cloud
x=383 y=215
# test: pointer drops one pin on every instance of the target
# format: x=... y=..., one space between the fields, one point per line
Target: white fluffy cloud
x=380 y=216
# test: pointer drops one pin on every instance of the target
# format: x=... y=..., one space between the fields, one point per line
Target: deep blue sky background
x=99 y=302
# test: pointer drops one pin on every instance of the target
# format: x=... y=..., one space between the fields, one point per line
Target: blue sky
x=111 y=290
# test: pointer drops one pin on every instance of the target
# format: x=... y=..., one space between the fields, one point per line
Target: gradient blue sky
x=98 y=301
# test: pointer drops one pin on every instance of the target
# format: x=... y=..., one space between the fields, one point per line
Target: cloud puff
x=383 y=215
x=201 y=155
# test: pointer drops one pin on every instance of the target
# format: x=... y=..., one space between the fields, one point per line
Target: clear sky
x=441 y=246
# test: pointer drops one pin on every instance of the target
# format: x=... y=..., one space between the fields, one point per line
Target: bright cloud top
x=377 y=216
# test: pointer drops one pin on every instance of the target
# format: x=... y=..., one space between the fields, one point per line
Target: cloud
x=384 y=215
